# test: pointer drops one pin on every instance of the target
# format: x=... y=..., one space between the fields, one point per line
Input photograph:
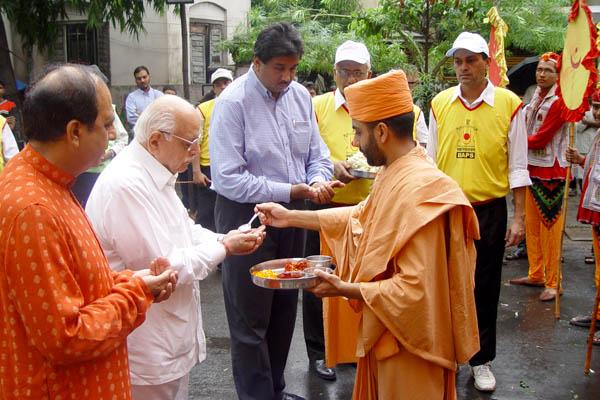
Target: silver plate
x=308 y=281
x=357 y=173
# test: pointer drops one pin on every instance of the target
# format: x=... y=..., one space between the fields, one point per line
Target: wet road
x=538 y=357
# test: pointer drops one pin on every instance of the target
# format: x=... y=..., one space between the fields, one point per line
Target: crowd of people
x=102 y=259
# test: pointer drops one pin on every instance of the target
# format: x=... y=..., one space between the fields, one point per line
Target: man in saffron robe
x=405 y=256
x=65 y=315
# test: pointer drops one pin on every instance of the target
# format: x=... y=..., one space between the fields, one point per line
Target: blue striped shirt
x=260 y=146
x=137 y=101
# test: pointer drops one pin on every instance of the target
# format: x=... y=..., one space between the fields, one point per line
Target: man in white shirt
x=8 y=143
x=137 y=215
x=139 y=99
x=477 y=136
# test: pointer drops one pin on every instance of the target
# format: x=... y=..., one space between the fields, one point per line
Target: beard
x=372 y=153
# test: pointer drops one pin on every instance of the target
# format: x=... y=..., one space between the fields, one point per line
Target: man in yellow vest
x=352 y=64
x=420 y=130
x=477 y=136
x=8 y=144
x=205 y=197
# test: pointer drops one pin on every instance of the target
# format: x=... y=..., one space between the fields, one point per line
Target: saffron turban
x=550 y=57
x=379 y=98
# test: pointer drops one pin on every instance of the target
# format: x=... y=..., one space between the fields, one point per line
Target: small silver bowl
x=319 y=262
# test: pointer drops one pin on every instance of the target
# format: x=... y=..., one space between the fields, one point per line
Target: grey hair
x=159 y=116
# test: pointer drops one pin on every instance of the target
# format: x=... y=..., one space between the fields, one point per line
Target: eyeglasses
x=346 y=73
x=191 y=143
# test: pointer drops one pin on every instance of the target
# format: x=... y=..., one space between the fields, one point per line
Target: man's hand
x=159 y=265
x=515 y=232
x=200 y=179
x=301 y=191
x=273 y=214
x=239 y=243
x=11 y=121
x=573 y=156
x=340 y=171
x=162 y=285
x=323 y=191
x=331 y=286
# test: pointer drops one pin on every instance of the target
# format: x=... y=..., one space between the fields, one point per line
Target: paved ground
x=538 y=357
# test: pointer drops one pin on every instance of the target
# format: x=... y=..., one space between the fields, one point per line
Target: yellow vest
x=337 y=133
x=2 y=122
x=206 y=109
x=417 y=112
x=472 y=144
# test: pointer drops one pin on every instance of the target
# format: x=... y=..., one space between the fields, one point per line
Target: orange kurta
x=411 y=245
x=65 y=314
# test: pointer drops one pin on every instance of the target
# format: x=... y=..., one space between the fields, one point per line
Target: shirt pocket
x=300 y=137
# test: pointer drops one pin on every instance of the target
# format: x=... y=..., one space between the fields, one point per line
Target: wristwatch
x=221 y=239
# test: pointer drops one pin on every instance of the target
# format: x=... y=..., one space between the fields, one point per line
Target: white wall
x=151 y=48
x=160 y=47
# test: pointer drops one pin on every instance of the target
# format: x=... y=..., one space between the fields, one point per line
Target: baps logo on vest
x=465 y=143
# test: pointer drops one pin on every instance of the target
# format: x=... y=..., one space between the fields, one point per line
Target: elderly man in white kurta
x=136 y=212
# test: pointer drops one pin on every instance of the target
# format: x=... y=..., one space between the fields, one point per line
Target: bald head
x=163 y=115
x=62 y=94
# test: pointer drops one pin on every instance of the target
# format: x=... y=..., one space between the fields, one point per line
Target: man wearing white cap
x=352 y=64
x=477 y=136
x=205 y=197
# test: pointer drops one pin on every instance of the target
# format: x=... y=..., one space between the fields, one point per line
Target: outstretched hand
x=241 y=243
x=273 y=214
x=323 y=191
x=159 y=278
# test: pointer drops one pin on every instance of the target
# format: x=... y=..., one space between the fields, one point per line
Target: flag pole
x=565 y=206
x=590 y=343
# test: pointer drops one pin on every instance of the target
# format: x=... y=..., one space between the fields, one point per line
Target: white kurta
x=137 y=215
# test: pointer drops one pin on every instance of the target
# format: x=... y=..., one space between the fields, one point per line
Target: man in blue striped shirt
x=265 y=146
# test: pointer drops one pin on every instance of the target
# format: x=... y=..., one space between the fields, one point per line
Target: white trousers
x=174 y=390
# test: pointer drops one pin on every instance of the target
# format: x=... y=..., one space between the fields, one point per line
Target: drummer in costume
x=589 y=204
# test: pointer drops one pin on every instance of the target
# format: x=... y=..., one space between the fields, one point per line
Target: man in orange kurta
x=405 y=257
x=65 y=315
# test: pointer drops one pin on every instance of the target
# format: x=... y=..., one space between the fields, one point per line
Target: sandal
x=589 y=260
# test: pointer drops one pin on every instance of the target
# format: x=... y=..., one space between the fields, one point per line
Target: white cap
x=353 y=51
x=221 y=73
x=469 y=41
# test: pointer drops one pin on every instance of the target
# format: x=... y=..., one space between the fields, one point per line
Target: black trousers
x=261 y=321
x=492 y=219
x=204 y=199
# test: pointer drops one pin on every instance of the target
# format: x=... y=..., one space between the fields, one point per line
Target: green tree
x=426 y=29
x=324 y=25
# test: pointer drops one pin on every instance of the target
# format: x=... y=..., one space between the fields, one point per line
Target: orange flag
x=577 y=65
x=498 y=68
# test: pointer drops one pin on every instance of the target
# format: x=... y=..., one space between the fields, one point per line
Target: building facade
x=158 y=48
